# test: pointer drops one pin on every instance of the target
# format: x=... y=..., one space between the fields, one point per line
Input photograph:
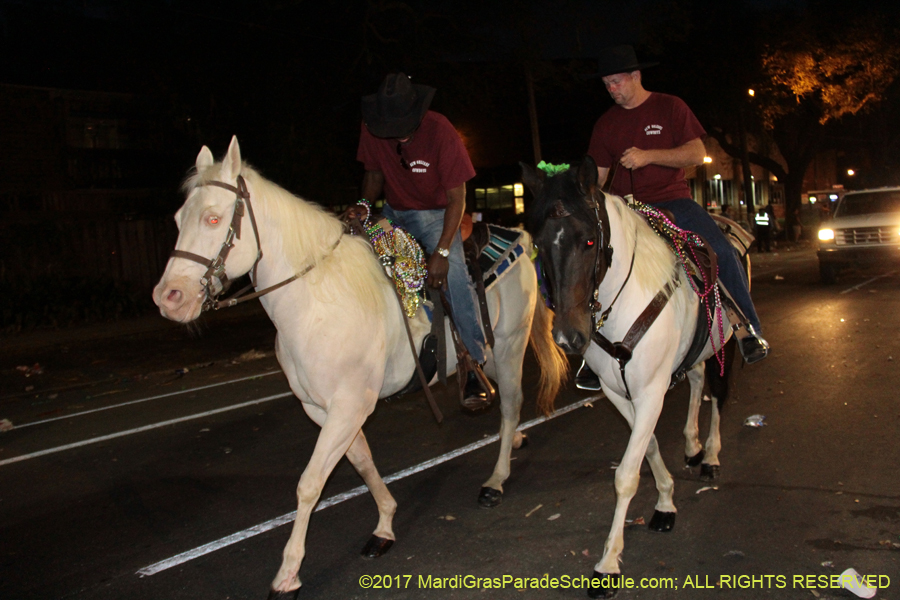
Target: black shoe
x=475 y=398
x=585 y=379
x=753 y=347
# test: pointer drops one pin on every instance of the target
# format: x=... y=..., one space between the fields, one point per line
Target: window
x=501 y=197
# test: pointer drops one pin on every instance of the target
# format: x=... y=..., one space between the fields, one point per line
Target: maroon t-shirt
x=661 y=122
x=437 y=159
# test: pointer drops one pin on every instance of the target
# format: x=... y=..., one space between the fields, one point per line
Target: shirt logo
x=419 y=166
x=653 y=130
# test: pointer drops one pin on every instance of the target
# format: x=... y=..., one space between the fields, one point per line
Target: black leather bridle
x=215 y=267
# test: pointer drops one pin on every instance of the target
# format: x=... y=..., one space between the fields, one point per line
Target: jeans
x=426 y=226
x=691 y=216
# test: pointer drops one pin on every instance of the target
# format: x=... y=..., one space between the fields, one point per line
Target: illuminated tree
x=811 y=80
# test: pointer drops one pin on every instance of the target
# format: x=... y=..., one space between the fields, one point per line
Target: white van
x=865 y=230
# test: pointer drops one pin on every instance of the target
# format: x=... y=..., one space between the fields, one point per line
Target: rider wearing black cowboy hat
x=417 y=158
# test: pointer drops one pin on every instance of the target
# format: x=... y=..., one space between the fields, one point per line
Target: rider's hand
x=357 y=211
x=438 y=267
x=634 y=158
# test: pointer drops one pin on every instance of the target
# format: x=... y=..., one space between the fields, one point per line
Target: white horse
x=640 y=299
x=341 y=341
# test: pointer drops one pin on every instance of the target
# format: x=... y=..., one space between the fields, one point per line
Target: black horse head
x=570 y=227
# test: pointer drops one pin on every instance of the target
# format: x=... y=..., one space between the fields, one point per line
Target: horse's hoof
x=376 y=546
x=662 y=522
x=292 y=595
x=709 y=472
x=693 y=461
x=520 y=440
x=489 y=497
x=604 y=585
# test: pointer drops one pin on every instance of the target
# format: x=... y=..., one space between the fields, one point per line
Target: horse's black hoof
x=490 y=498
x=292 y=595
x=662 y=522
x=376 y=546
x=709 y=472
x=604 y=585
x=693 y=461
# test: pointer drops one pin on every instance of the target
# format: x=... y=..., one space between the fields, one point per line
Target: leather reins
x=215 y=267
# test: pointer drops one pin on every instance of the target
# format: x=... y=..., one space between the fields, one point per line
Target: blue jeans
x=691 y=216
x=426 y=226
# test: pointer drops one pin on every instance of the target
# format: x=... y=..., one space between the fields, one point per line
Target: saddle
x=489 y=251
x=701 y=267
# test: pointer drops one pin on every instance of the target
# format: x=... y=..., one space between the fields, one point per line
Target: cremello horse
x=341 y=340
x=599 y=254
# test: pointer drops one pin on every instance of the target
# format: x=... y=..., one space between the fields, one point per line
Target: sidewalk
x=48 y=361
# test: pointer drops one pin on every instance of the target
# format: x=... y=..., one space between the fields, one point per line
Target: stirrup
x=586 y=379
x=753 y=346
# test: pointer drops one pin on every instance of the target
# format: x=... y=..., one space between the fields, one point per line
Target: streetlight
x=851 y=172
x=751 y=92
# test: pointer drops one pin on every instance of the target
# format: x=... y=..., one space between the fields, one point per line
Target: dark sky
x=287 y=75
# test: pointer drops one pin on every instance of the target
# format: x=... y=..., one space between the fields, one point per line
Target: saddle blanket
x=503 y=249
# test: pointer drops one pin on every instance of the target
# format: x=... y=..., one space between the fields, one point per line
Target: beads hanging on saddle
x=402 y=258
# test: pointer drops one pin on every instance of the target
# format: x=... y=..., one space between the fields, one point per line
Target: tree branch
x=733 y=151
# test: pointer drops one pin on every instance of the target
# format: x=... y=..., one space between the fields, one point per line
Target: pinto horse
x=599 y=254
x=341 y=338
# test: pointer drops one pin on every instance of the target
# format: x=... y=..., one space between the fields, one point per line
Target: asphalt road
x=143 y=441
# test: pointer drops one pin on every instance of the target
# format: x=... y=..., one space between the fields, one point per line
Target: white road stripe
x=196 y=389
x=864 y=283
x=113 y=436
x=234 y=538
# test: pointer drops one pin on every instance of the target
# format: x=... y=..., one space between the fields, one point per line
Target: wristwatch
x=442 y=251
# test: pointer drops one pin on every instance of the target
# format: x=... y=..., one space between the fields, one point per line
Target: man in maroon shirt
x=417 y=158
x=654 y=136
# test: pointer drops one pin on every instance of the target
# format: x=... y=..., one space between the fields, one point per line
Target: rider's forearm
x=453 y=214
x=688 y=155
x=372 y=185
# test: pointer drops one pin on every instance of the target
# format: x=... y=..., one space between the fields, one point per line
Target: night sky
x=286 y=76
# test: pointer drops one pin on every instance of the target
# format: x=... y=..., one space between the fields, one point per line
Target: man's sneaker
x=753 y=347
x=585 y=379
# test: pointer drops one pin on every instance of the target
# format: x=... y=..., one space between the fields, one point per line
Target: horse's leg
x=509 y=353
x=718 y=388
x=693 y=449
x=664 y=515
x=383 y=538
x=338 y=432
x=645 y=415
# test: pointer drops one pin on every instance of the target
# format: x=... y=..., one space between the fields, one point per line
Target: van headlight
x=826 y=235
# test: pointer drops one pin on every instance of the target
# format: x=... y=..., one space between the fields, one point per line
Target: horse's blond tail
x=552 y=360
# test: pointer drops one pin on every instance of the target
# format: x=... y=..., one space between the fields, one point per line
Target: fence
x=108 y=247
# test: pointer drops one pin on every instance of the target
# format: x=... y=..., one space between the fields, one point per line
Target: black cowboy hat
x=619 y=59
x=398 y=107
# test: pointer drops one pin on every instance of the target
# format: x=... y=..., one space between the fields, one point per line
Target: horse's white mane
x=654 y=263
x=305 y=236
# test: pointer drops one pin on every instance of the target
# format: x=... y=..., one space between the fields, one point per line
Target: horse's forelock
x=562 y=189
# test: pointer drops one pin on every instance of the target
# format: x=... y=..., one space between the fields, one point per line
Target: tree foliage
x=833 y=79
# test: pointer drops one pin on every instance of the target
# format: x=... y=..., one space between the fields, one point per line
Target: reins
x=215 y=267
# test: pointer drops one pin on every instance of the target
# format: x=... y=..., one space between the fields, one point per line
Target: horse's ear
x=204 y=159
x=587 y=175
x=532 y=179
x=231 y=165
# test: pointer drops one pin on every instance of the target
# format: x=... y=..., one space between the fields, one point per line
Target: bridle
x=215 y=267
x=604 y=251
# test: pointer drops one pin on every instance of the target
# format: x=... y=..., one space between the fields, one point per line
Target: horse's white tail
x=552 y=360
